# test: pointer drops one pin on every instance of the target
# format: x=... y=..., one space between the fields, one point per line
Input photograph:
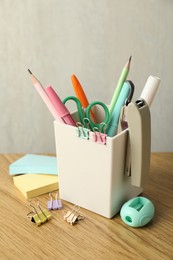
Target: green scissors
x=85 y=118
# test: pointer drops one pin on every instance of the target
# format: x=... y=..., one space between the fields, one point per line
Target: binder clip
x=72 y=217
x=54 y=204
x=82 y=131
x=98 y=136
x=39 y=216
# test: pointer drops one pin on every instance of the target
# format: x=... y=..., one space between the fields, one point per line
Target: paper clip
x=54 y=204
x=73 y=216
x=99 y=137
x=39 y=216
x=82 y=131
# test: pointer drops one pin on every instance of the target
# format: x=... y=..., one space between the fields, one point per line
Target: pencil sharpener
x=137 y=212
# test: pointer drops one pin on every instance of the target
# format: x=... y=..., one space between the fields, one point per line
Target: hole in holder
x=128 y=219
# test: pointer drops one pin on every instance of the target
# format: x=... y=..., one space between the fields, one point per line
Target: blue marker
x=124 y=94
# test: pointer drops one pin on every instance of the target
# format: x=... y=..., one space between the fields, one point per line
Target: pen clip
x=132 y=88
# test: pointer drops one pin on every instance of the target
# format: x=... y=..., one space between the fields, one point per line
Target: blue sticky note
x=34 y=164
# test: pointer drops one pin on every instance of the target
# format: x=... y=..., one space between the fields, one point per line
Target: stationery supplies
x=33 y=163
x=132 y=89
x=81 y=94
x=99 y=137
x=137 y=212
x=113 y=125
x=72 y=217
x=33 y=185
x=150 y=89
x=45 y=97
x=120 y=166
x=54 y=204
x=81 y=131
x=85 y=119
x=108 y=185
x=119 y=86
x=147 y=95
x=38 y=216
x=139 y=124
x=60 y=107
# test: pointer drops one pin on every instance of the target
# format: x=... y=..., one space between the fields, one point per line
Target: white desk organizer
x=93 y=175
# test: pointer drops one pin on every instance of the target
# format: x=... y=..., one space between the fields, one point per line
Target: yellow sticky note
x=33 y=185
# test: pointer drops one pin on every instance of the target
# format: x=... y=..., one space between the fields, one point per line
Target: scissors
x=85 y=118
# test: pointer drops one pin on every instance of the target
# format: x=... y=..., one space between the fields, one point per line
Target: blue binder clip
x=81 y=131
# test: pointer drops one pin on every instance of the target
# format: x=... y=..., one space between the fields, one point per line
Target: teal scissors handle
x=79 y=107
x=82 y=116
x=93 y=125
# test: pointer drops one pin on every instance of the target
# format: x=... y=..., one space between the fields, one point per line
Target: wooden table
x=95 y=237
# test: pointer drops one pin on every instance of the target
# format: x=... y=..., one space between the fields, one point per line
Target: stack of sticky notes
x=35 y=175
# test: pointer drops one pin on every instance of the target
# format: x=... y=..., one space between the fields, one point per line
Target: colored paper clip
x=82 y=131
x=72 y=217
x=39 y=216
x=54 y=204
x=98 y=136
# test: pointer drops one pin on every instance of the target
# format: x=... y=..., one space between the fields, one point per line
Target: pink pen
x=59 y=106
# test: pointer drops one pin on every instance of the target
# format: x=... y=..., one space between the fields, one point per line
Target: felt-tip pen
x=59 y=106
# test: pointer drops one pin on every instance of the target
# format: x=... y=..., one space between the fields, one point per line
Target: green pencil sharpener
x=137 y=212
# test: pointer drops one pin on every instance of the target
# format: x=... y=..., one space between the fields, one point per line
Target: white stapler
x=139 y=124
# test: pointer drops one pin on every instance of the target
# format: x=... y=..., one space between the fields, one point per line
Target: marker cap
x=150 y=89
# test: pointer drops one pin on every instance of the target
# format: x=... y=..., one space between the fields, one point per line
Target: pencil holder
x=101 y=174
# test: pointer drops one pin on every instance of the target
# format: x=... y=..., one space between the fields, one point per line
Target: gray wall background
x=92 y=39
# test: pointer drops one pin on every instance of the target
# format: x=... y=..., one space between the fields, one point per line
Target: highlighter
x=113 y=125
x=150 y=89
x=59 y=106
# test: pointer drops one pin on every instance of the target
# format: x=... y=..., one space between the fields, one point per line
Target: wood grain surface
x=95 y=237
